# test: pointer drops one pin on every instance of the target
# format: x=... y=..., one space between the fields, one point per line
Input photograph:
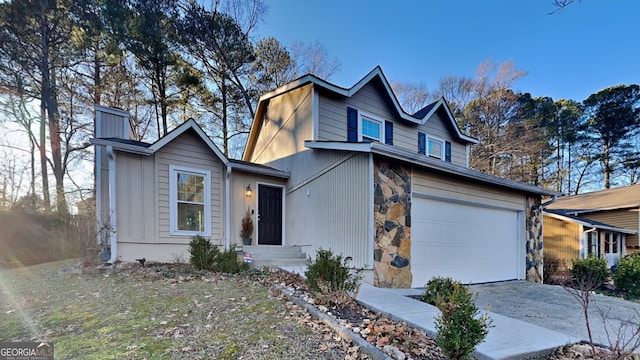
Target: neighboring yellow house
x=601 y=223
x=345 y=169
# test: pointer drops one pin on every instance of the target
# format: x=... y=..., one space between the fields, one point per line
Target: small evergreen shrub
x=627 y=275
x=438 y=289
x=459 y=327
x=227 y=262
x=202 y=253
x=330 y=269
x=550 y=266
x=590 y=273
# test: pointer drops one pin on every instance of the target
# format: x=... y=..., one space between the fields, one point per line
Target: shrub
x=438 y=289
x=459 y=328
x=627 y=275
x=590 y=273
x=227 y=261
x=550 y=266
x=330 y=268
x=203 y=253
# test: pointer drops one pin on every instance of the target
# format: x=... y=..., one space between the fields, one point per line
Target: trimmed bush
x=330 y=269
x=627 y=275
x=228 y=262
x=438 y=289
x=459 y=327
x=202 y=252
x=590 y=273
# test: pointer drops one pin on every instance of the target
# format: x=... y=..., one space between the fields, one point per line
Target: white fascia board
x=189 y=124
x=337 y=145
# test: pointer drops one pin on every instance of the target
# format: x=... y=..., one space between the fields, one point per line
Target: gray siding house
x=345 y=169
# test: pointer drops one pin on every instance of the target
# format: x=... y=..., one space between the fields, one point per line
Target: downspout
x=111 y=156
x=227 y=209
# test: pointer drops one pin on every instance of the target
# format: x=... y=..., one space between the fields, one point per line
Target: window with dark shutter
x=388 y=132
x=352 y=125
x=422 y=143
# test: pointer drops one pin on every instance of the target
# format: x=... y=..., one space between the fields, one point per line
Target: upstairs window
x=368 y=128
x=190 y=201
x=371 y=129
x=435 y=148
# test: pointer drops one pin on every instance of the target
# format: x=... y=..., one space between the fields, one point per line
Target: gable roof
x=561 y=215
x=143 y=148
x=428 y=163
x=619 y=198
x=419 y=117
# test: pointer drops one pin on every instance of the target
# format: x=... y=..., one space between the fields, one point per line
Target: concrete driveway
x=552 y=307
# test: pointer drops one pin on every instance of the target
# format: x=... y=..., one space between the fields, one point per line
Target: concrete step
x=259 y=263
x=272 y=252
x=275 y=256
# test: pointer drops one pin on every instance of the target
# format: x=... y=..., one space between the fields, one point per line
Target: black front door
x=269 y=215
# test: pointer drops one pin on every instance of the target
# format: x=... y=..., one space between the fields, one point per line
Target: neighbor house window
x=190 y=201
x=371 y=129
x=435 y=147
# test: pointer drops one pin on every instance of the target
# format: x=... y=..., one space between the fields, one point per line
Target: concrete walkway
x=554 y=308
x=508 y=339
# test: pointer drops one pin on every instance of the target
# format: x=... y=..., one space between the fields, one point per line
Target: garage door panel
x=468 y=243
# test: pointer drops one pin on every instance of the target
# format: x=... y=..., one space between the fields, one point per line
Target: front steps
x=275 y=255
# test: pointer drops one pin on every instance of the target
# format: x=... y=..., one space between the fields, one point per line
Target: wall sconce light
x=248 y=192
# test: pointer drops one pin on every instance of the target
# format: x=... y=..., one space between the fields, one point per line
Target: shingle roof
x=588 y=222
x=618 y=198
x=420 y=114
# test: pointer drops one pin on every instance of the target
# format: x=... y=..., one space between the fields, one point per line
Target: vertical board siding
x=372 y=99
x=624 y=218
x=287 y=124
x=561 y=239
x=135 y=199
x=332 y=212
x=188 y=150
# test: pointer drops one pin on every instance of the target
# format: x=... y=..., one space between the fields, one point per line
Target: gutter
x=111 y=156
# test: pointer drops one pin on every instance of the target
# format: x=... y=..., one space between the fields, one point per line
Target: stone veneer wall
x=392 y=213
x=534 y=239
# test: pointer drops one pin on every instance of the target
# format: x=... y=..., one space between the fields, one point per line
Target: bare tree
x=313 y=59
x=412 y=96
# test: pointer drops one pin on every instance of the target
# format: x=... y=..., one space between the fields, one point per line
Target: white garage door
x=471 y=244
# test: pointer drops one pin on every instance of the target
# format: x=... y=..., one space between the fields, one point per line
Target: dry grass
x=161 y=312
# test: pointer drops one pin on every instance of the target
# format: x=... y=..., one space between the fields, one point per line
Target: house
x=601 y=223
x=152 y=198
x=345 y=169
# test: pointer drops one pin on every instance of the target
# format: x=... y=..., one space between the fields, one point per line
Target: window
x=435 y=148
x=371 y=129
x=190 y=201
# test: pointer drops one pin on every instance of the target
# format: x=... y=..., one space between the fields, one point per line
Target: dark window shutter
x=422 y=143
x=447 y=151
x=352 y=125
x=388 y=132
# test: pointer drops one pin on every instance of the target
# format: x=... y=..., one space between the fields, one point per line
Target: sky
x=571 y=54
